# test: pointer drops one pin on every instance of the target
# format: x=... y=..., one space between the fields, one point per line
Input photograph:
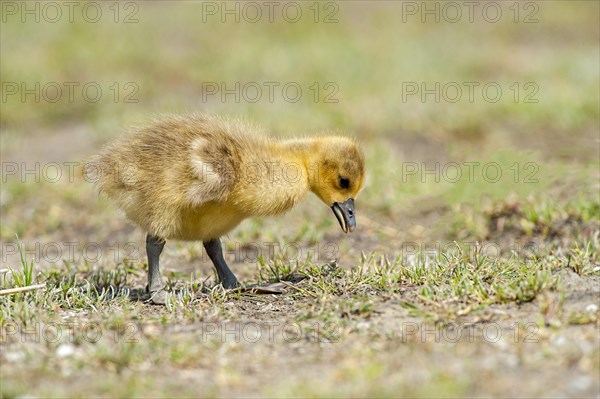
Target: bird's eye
x=344 y=182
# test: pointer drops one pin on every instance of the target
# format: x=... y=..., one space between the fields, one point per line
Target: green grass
x=24 y=277
x=449 y=285
x=328 y=305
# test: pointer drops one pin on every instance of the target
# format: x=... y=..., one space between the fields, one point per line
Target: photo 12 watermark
x=71 y=332
x=470 y=171
x=427 y=253
x=52 y=12
x=70 y=92
x=318 y=12
x=470 y=92
x=453 y=332
x=270 y=91
x=452 y=12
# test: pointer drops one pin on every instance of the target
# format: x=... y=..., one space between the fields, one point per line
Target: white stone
x=65 y=350
x=14 y=356
x=592 y=308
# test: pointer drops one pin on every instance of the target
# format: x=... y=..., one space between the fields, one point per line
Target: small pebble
x=363 y=325
x=65 y=350
x=580 y=383
x=592 y=308
x=14 y=356
x=560 y=341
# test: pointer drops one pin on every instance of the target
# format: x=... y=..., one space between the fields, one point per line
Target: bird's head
x=336 y=176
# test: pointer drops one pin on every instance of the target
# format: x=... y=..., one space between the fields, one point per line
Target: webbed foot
x=158 y=297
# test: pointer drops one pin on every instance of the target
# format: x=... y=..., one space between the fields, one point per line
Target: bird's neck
x=303 y=152
x=279 y=179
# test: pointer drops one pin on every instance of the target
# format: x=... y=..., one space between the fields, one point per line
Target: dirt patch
x=509 y=223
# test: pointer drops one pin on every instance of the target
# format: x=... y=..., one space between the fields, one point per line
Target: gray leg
x=154 y=247
x=215 y=253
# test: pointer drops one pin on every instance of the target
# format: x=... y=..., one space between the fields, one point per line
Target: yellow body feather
x=197 y=177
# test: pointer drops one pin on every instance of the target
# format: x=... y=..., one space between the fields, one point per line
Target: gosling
x=196 y=177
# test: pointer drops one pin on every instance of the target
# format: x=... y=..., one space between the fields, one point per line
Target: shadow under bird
x=196 y=177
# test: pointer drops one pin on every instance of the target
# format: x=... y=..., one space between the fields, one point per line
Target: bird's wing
x=212 y=165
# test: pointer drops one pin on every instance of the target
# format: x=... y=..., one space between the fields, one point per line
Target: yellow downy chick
x=196 y=177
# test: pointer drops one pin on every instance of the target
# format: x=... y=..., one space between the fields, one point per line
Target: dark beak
x=344 y=212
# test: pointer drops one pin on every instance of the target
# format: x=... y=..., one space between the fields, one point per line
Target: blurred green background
x=362 y=68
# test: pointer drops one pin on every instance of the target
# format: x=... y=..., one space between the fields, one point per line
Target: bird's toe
x=231 y=284
x=158 y=297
